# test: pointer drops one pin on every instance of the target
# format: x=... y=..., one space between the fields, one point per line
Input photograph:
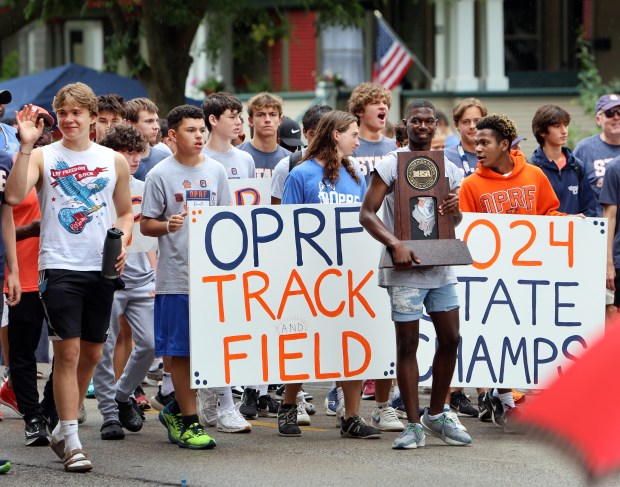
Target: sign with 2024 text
x=289 y=294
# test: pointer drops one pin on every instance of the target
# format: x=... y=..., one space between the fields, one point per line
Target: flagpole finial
x=378 y=14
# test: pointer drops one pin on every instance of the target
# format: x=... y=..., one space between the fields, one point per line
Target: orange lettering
x=498 y=242
x=301 y=291
x=232 y=356
x=247 y=295
x=284 y=377
x=355 y=292
x=317 y=295
x=220 y=290
x=568 y=244
x=317 y=361
x=345 y=352
x=263 y=343
x=522 y=250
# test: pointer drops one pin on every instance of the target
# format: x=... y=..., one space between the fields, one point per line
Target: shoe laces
x=195 y=429
x=452 y=416
x=290 y=416
x=388 y=413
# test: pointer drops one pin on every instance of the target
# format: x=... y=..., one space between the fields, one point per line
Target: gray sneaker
x=445 y=429
x=411 y=437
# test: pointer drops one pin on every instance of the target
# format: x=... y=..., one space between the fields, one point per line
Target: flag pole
x=415 y=58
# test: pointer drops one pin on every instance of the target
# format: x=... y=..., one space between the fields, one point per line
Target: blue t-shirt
x=8 y=140
x=306 y=185
x=149 y=162
x=368 y=154
x=595 y=154
x=265 y=162
x=610 y=195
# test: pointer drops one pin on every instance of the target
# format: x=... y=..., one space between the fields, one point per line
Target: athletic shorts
x=408 y=303
x=77 y=304
x=172 y=325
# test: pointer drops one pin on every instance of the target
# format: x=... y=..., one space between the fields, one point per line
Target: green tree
x=169 y=26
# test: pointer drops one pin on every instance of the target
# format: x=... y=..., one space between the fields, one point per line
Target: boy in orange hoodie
x=504 y=183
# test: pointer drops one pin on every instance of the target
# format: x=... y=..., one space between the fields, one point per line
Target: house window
x=84 y=43
x=343 y=52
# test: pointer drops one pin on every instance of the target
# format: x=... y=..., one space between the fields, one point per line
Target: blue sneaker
x=331 y=402
x=445 y=429
x=172 y=422
x=90 y=392
x=398 y=406
x=411 y=437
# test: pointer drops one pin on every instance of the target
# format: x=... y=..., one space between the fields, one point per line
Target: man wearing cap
x=264 y=117
x=596 y=151
x=289 y=135
x=8 y=137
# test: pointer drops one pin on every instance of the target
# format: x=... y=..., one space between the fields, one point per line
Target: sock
x=340 y=395
x=224 y=395
x=174 y=408
x=435 y=417
x=262 y=390
x=56 y=434
x=507 y=399
x=446 y=408
x=396 y=394
x=381 y=404
x=300 y=396
x=189 y=420
x=334 y=385
x=69 y=431
x=166 y=384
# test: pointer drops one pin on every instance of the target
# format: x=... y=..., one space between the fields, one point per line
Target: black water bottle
x=111 y=250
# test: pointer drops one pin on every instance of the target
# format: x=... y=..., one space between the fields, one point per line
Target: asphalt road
x=318 y=457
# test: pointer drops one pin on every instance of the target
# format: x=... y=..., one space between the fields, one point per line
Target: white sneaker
x=310 y=409
x=232 y=421
x=454 y=417
x=207 y=407
x=303 y=419
x=339 y=415
x=385 y=419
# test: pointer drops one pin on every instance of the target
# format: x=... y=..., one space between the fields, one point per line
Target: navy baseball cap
x=606 y=102
x=5 y=97
x=290 y=132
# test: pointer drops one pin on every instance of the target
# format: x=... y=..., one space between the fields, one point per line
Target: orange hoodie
x=525 y=191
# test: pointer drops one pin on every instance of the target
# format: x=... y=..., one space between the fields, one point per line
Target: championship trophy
x=420 y=188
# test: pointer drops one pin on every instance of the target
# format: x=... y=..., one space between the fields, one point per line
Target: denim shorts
x=408 y=303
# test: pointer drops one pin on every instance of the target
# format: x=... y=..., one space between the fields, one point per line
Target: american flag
x=392 y=58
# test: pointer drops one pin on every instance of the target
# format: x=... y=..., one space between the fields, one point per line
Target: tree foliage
x=167 y=28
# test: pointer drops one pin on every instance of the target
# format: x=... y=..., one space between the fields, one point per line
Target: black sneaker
x=273 y=387
x=159 y=401
x=280 y=393
x=129 y=416
x=494 y=405
x=268 y=406
x=287 y=420
x=249 y=403
x=462 y=405
x=483 y=413
x=355 y=427
x=237 y=392
x=36 y=432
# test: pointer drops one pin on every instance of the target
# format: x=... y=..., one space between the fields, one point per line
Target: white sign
x=139 y=242
x=289 y=294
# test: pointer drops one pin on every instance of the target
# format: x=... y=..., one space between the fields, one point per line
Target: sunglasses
x=611 y=112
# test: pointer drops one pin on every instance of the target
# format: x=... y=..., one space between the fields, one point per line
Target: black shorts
x=77 y=304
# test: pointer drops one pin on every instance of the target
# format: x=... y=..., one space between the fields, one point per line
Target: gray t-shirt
x=138 y=271
x=238 y=164
x=420 y=277
x=452 y=154
x=165 y=194
x=279 y=175
x=368 y=154
x=265 y=161
x=595 y=154
x=149 y=162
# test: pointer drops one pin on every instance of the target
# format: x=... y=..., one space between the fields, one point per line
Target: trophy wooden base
x=430 y=253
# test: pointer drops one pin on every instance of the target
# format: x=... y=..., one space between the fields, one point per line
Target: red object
x=7 y=398
x=565 y=421
x=393 y=59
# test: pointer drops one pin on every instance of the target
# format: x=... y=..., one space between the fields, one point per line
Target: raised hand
x=29 y=128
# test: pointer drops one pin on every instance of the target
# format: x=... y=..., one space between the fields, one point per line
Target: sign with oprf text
x=251 y=191
x=289 y=294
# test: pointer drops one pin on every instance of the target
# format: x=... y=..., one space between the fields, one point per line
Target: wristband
x=168 y=226
x=25 y=153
